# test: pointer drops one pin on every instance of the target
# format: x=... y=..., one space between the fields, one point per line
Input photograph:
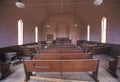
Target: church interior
x=59 y=41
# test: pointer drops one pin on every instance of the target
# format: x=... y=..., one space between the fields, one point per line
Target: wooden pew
x=63 y=46
x=54 y=48
x=76 y=55
x=50 y=51
x=26 y=52
x=113 y=65
x=83 y=65
x=4 y=69
x=61 y=51
x=47 y=56
x=71 y=51
x=62 y=56
x=100 y=50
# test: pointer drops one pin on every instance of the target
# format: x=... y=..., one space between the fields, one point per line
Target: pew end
x=113 y=65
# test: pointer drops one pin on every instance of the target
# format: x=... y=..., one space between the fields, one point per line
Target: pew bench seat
x=82 y=65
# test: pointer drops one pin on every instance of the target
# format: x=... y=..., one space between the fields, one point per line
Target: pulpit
x=63 y=41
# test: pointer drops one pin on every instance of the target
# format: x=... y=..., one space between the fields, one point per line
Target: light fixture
x=20 y=4
x=75 y=24
x=97 y=2
x=48 y=25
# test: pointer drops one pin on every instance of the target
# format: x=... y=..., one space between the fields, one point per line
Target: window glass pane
x=20 y=32
x=88 y=33
x=103 y=29
x=36 y=34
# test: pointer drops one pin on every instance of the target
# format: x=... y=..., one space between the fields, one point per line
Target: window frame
x=103 y=29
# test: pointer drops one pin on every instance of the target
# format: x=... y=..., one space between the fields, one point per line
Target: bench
x=47 y=56
x=26 y=53
x=61 y=51
x=50 y=51
x=58 y=56
x=4 y=69
x=100 y=50
x=76 y=55
x=113 y=65
x=63 y=46
x=82 y=65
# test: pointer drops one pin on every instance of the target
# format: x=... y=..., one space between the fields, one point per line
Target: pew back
x=62 y=56
x=76 y=55
x=47 y=56
x=114 y=65
x=83 y=65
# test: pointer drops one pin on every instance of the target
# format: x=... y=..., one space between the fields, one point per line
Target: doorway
x=50 y=38
x=74 y=39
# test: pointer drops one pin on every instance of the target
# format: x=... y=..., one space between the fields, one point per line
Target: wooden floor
x=104 y=76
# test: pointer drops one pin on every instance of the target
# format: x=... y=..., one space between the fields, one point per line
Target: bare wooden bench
x=54 y=57
x=26 y=53
x=47 y=56
x=82 y=65
x=57 y=48
x=75 y=55
x=50 y=51
x=62 y=50
x=99 y=50
x=62 y=56
x=113 y=65
x=71 y=51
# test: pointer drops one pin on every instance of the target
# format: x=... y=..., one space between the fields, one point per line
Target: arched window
x=88 y=33
x=36 y=34
x=20 y=32
x=103 y=29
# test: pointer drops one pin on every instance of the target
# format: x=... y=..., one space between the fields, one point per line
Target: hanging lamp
x=19 y=4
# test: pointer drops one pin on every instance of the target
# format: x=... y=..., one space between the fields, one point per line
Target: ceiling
x=40 y=8
x=66 y=6
x=59 y=6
